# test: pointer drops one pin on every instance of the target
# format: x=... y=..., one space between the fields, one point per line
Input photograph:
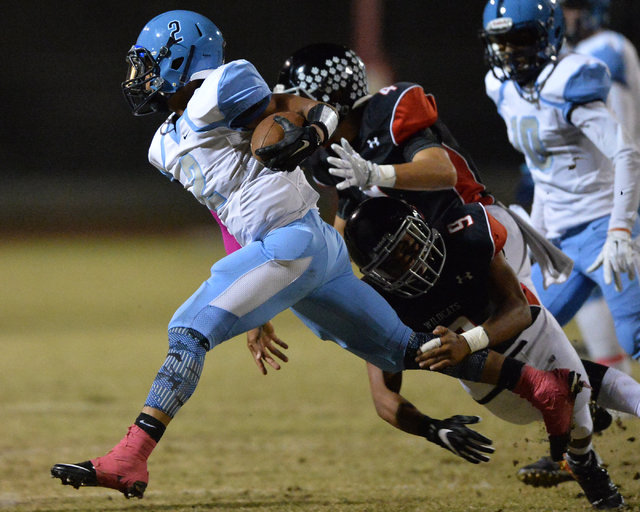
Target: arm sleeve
x=601 y=127
x=422 y=140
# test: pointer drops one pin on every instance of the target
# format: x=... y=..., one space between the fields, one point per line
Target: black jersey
x=460 y=298
x=396 y=123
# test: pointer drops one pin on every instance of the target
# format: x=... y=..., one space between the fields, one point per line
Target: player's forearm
x=431 y=169
x=614 y=142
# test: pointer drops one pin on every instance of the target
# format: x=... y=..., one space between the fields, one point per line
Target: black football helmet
x=325 y=72
x=394 y=247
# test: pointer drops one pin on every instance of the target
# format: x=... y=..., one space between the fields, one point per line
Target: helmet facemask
x=518 y=54
x=408 y=263
x=143 y=83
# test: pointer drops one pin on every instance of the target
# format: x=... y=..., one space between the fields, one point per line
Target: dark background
x=74 y=158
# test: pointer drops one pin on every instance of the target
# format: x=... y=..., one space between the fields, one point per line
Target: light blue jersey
x=621 y=57
x=586 y=173
x=208 y=151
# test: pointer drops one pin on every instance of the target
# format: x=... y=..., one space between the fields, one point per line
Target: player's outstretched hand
x=356 y=171
x=454 y=435
x=260 y=342
x=619 y=255
x=298 y=143
x=448 y=349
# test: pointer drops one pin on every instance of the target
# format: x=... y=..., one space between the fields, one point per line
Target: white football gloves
x=358 y=172
x=618 y=255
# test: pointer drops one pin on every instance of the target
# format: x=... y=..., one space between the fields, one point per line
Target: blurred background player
x=451 y=273
x=586 y=34
x=584 y=164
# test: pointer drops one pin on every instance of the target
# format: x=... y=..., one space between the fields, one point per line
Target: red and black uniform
x=460 y=297
x=397 y=122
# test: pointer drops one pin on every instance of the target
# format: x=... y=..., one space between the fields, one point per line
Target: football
x=269 y=132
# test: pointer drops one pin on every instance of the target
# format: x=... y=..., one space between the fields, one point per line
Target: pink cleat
x=124 y=468
x=553 y=393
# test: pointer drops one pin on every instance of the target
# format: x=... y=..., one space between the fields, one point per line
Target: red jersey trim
x=498 y=233
x=414 y=111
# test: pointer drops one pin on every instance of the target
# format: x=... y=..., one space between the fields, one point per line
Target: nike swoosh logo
x=142 y=422
x=305 y=145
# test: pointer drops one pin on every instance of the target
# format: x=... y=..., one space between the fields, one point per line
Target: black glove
x=298 y=143
x=453 y=435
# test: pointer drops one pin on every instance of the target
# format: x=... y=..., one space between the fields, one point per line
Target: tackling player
x=426 y=273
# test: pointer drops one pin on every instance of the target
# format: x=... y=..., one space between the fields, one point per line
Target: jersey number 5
x=459 y=224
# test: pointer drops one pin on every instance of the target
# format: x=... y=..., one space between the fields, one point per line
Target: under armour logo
x=467 y=276
x=373 y=142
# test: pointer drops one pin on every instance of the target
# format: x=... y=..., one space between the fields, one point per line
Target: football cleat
x=545 y=473
x=595 y=482
x=124 y=468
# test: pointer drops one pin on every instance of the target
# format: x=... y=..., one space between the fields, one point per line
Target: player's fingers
x=617 y=281
x=346 y=184
x=431 y=345
x=596 y=264
x=279 y=341
x=260 y=365
x=337 y=148
x=278 y=354
x=347 y=147
x=272 y=362
x=284 y=122
x=440 y=364
x=339 y=162
x=340 y=173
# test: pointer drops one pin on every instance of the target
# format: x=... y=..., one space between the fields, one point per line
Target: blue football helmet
x=171 y=48
x=521 y=37
x=594 y=14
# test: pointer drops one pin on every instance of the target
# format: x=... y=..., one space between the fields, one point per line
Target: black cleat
x=545 y=473
x=596 y=484
x=76 y=475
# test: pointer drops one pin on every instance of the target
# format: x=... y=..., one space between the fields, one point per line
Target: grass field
x=83 y=331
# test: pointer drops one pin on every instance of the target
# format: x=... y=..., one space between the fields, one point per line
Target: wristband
x=387 y=176
x=476 y=338
x=325 y=118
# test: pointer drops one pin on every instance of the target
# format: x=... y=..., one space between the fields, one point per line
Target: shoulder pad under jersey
x=401 y=109
x=235 y=93
x=576 y=80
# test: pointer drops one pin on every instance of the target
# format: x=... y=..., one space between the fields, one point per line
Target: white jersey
x=572 y=144
x=621 y=57
x=207 y=150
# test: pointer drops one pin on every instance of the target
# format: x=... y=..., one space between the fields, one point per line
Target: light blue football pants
x=583 y=244
x=304 y=266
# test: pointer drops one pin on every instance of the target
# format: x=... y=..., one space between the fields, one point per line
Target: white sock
x=598 y=332
x=620 y=392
